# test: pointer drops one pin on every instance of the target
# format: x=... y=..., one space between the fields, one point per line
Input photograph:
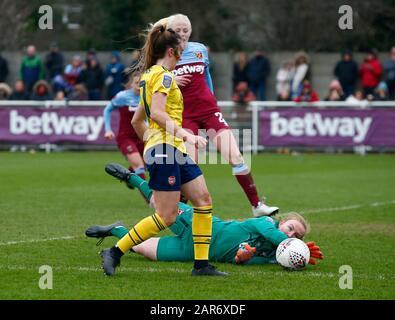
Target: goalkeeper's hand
x=315 y=252
x=245 y=253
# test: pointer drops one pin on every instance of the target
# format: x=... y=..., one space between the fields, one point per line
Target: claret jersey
x=198 y=98
x=127 y=103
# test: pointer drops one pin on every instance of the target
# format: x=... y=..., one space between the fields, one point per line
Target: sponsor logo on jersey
x=172 y=180
x=187 y=69
x=166 y=82
x=199 y=55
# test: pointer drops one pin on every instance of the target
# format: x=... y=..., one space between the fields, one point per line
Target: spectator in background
x=5 y=91
x=381 y=92
x=258 y=69
x=284 y=96
x=240 y=70
x=3 y=69
x=60 y=96
x=242 y=93
x=370 y=73
x=284 y=77
x=389 y=74
x=60 y=84
x=346 y=71
x=54 y=62
x=19 y=92
x=307 y=94
x=114 y=75
x=302 y=73
x=32 y=68
x=78 y=92
x=41 y=91
x=93 y=79
x=90 y=54
x=357 y=98
x=335 y=92
x=73 y=70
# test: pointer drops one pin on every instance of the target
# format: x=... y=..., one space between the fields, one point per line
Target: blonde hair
x=162 y=22
x=178 y=16
x=298 y=217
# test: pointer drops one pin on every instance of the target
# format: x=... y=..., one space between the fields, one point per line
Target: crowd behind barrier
x=94 y=76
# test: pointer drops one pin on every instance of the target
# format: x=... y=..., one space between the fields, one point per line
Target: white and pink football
x=293 y=254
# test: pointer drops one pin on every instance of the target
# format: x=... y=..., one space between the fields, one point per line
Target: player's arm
x=207 y=74
x=138 y=122
x=107 y=120
x=208 y=78
x=267 y=229
x=162 y=118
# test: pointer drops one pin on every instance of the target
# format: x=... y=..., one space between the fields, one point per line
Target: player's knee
x=202 y=198
x=170 y=217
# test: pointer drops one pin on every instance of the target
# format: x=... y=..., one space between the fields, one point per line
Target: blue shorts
x=169 y=168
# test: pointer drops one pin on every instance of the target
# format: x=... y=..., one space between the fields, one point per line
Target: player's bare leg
x=148 y=248
x=136 y=164
x=226 y=144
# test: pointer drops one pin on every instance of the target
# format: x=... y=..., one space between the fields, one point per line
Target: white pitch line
x=350 y=207
x=9 y=243
x=344 y=208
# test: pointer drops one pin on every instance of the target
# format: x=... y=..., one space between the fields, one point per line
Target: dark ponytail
x=157 y=40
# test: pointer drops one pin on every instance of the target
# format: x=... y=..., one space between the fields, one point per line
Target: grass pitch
x=48 y=200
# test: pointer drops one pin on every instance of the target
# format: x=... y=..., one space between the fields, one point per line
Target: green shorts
x=180 y=246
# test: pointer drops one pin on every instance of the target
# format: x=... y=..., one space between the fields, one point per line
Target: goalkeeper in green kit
x=252 y=241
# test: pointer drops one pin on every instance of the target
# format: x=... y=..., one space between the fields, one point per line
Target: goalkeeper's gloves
x=245 y=253
x=315 y=252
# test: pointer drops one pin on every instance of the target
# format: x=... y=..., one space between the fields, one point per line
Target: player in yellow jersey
x=170 y=167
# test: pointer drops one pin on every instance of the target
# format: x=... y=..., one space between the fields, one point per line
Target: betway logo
x=313 y=124
x=50 y=123
x=186 y=69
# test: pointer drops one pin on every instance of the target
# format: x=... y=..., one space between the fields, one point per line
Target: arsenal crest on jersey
x=172 y=180
x=199 y=55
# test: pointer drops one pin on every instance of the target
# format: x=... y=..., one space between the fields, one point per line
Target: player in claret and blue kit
x=201 y=110
x=127 y=102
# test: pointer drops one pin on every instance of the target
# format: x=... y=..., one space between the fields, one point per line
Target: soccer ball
x=293 y=254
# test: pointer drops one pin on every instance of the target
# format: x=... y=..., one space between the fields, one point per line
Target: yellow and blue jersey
x=159 y=79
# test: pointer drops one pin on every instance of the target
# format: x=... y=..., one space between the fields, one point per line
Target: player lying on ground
x=252 y=241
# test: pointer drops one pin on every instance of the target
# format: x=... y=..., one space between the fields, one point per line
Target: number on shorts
x=221 y=118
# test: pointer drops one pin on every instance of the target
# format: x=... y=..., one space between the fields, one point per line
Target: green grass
x=44 y=196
